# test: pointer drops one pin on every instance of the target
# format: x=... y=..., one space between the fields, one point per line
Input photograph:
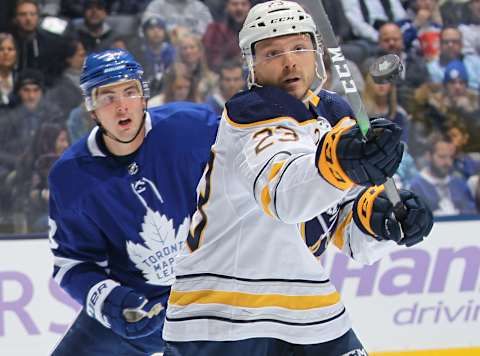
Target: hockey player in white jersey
x=289 y=172
x=120 y=205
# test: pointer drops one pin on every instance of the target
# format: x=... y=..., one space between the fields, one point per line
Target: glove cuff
x=363 y=208
x=327 y=161
x=96 y=297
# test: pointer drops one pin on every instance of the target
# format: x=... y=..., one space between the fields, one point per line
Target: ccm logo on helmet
x=282 y=19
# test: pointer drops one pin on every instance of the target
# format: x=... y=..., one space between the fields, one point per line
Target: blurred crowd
x=189 y=50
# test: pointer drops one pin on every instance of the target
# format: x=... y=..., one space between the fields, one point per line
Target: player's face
x=120 y=109
x=287 y=62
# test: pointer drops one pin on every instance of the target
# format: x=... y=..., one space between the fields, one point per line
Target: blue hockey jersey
x=126 y=220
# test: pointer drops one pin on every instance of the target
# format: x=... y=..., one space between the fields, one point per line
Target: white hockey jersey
x=251 y=267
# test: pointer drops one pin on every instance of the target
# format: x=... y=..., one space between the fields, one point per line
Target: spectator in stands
x=421 y=31
x=444 y=193
x=352 y=50
x=66 y=92
x=93 y=30
x=366 y=17
x=22 y=122
x=451 y=49
x=381 y=101
x=458 y=96
x=221 y=38
x=79 y=123
x=434 y=104
x=37 y=48
x=29 y=182
x=465 y=164
x=231 y=82
x=19 y=125
x=192 y=54
x=179 y=15
x=415 y=71
x=178 y=86
x=154 y=51
x=8 y=61
x=470 y=28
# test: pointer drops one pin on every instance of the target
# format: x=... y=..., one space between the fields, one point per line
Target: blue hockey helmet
x=109 y=67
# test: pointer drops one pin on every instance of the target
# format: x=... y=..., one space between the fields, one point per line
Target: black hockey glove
x=344 y=156
x=373 y=213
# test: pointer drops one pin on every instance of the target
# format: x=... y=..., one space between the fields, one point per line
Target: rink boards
x=419 y=301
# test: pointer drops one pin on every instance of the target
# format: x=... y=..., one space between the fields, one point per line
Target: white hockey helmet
x=274 y=19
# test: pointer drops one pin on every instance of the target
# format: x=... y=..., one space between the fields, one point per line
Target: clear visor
x=105 y=98
x=278 y=55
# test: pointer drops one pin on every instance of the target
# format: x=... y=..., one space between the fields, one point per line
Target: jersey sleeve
x=336 y=226
x=77 y=245
x=274 y=138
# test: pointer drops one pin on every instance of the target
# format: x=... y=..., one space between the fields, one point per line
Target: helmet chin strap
x=113 y=137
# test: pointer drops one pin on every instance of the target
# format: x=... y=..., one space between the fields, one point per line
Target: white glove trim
x=95 y=298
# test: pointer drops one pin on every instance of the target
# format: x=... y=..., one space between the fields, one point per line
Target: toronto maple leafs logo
x=155 y=258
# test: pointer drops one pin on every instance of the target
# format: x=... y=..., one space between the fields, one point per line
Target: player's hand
x=373 y=213
x=143 y=317
x=371 y=162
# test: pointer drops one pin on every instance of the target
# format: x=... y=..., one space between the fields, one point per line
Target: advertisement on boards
x=426 y=297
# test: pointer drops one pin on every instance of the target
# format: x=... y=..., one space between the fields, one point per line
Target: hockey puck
x=386 y=69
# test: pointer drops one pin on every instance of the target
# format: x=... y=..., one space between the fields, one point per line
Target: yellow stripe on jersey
x=365 y=206
x=248 y=300
x=312 y=98
x=302 y=231
x=275 y=169
x=266 y=200
x=265 y=197
x=328 y=164
x=314 y=248
x=269 y=121
x=338 y=238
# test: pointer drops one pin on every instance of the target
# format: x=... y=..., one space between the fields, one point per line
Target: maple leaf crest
x=161 y=245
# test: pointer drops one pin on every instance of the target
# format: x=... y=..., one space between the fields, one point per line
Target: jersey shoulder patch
x=261 y=104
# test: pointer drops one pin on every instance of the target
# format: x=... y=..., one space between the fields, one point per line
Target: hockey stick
x=317 y=11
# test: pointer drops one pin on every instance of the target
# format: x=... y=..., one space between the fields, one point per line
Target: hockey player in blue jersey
x=120 y=205
x=290 y=173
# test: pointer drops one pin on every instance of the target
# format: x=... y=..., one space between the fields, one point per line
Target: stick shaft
x=339 y=62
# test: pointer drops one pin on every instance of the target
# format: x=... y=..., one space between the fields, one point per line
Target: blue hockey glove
x=373 y=214
x=124 y=302
x=371 y=162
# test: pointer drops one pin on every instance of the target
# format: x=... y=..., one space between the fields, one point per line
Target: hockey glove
x=373 y=214
x=346 y=157
x=112 y=304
